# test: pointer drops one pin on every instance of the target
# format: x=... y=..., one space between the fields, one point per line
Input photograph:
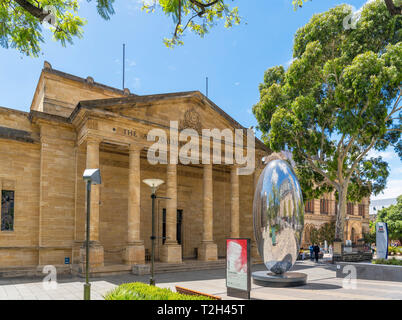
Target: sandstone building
x=75 y=123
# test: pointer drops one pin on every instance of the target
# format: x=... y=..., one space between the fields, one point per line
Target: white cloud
x=131 y=63
x=386 y=155
x=237 y=83
x=393 y=190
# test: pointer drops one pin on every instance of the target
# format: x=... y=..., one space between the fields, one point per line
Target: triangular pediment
x=190 y=109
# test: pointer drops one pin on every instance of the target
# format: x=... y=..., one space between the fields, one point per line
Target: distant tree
x=339 y=99
x=370 y=236
x=393 y=217
x=314 y=237
x=325 y=232
x=394 y=6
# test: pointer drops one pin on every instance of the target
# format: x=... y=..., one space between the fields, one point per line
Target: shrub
x=142 y=291
x=393 y=261
x=394 y=250
x=391 y=250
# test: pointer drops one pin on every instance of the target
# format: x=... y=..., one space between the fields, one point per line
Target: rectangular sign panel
x=381 y=240
x=238 y=266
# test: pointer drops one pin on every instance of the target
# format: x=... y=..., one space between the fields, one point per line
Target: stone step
x=189 y=266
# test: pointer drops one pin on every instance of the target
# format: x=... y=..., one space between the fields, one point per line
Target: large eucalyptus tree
x=339 y=99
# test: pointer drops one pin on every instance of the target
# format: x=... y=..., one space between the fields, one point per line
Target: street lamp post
x=154 y=184
x=91 y=176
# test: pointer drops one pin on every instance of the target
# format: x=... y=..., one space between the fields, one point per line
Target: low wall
x=369 y=271
x=353 y=257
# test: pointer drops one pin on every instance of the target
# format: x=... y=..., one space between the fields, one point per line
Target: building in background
x=377 y=205
x=321 y=211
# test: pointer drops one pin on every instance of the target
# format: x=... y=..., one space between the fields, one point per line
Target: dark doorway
x=179 y=226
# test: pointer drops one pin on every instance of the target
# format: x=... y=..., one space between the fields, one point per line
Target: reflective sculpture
x=278 y=214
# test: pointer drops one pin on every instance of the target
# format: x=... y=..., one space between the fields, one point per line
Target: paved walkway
x=321 y=284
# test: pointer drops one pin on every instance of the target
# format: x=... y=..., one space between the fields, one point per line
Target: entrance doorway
x=179 y=226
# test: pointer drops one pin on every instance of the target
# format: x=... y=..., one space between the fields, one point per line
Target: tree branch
x=203 y=5
x=356 y=162
x=34 y=11
x=320 y=171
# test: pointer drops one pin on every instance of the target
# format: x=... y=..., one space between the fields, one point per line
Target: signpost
x=381 y=243
x=238 y=267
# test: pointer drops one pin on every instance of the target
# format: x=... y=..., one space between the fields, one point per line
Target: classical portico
x=138 y=211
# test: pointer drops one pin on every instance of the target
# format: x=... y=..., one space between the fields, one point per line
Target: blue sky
x=234 y=59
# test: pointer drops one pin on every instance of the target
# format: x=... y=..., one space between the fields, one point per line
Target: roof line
x=82 y=80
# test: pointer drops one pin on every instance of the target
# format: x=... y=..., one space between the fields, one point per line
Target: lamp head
x=92 y=175
x=153 y=183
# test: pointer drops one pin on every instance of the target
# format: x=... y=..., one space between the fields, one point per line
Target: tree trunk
x=341 y=214
x=392 y=9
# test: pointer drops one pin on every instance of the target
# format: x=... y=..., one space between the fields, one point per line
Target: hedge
x=142 y=291
x=393 y=261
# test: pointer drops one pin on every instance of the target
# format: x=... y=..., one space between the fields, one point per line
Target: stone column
x=96 y=254
x=171 y=250
x=208 y=250
x=234 y=203
x=135 y=251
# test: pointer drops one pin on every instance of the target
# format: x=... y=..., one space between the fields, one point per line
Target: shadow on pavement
x=319 y=286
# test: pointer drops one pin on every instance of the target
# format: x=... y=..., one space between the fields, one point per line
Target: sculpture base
x=288 y=279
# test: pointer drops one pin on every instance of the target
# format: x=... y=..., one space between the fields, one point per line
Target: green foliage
x=393 y=261
x=198 y=16
x=393 y=217
x=325 y=232
x=370 y=237
x=142 y=291
x=298 y=3
x=394 y=250
x=22 y=22
x=393 y=6
x=339 y=99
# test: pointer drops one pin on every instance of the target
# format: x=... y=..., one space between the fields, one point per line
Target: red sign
x=238 y=264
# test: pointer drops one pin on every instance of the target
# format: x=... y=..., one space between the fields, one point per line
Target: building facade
x=76 y=123
x=317 y=212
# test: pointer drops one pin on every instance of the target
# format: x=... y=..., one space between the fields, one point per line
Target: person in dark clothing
x=311 y=252
x=316 y=250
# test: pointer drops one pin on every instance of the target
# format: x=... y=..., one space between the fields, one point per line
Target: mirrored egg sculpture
x=278 y=215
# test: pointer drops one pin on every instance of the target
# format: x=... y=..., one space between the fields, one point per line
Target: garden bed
x=142 y=291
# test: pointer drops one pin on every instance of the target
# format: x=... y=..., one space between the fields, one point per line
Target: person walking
x=316 y=250
x=311 y=252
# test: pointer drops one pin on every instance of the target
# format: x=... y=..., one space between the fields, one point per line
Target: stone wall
x=19 y=171
x=57 y=193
